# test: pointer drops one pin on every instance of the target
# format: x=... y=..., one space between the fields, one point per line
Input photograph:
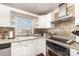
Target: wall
x=65 y=28
x=5 y=14
x=25 y=14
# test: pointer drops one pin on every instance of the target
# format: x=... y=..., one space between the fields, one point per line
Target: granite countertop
x=17 y=39
x=75 y=45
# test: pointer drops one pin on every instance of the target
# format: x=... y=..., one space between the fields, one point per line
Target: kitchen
x=39 y=29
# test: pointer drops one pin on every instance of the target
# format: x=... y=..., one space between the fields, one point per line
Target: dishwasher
x=5 y=49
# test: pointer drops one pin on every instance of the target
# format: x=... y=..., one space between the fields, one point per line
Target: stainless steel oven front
x=53 y=49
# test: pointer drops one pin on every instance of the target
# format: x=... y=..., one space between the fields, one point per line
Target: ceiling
x=36 y=8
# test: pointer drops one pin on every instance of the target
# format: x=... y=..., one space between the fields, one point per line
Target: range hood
x=63 y=10
x=63 y=15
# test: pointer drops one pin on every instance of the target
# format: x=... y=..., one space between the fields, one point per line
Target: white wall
x=4 y=15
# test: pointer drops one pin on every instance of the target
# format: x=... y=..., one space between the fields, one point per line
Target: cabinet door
x=4 y=15
x=33 y=47
x=30 y=48
x=71 y=10
x=40 y=22
x=74 y=52
x=43 y=21
x=41 y=46
x=16 y=49
x=24 y=48
x=21 y=48
x=76 y=14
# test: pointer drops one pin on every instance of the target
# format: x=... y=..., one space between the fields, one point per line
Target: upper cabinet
x=55 y=14
x=71 y=9
x=4 y=15
x=43 y=21
x=8 y=17
x=77 y=14
x=64 y=12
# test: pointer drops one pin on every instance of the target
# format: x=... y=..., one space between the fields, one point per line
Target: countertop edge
x=14 y=40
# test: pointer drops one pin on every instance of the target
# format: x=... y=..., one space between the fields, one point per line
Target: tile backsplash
x=7 y=32
x=65 y=29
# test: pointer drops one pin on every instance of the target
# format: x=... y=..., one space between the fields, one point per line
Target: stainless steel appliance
x=5 y=49
x=63 y=10
x=65 y=41
x=56 y=50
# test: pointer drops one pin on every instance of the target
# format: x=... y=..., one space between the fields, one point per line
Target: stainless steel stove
x=65 y=41
x=56 y=50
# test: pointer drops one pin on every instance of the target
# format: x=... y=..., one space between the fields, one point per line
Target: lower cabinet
x=41 y=46
x=23 y=48
x=28 y=48
x=74 y=52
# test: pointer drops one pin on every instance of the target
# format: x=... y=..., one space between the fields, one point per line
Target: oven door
x=51 y=52
x=56 y=50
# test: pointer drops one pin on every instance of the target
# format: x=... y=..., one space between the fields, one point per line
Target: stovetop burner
x=61 y=40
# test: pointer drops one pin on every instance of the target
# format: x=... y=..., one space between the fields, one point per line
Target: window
x=23 y=25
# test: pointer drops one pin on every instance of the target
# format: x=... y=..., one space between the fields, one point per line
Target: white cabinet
x=15 y=49
x=77 y=14
x=33 y=47
x=41 y=46
x=29 y=47
x=23 y=48
x=74 y=52
x=4 y=15
x=39 y=23
x=20 y=48
x=43 y=21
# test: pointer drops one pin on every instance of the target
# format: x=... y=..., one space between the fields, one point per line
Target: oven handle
x=56 y=51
